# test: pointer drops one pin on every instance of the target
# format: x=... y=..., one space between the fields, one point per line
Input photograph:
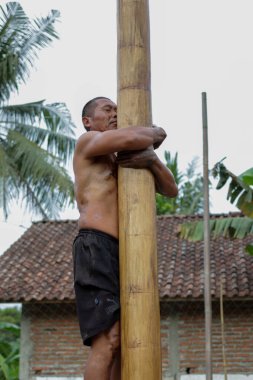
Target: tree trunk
x=140 y=317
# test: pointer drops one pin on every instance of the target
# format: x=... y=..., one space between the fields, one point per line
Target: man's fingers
x=128 y=153
x=124 y=153
x=125 y=164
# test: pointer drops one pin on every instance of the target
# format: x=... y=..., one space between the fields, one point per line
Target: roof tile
x=38 y=266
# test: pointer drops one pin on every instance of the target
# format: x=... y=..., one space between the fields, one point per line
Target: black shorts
x=96 y=282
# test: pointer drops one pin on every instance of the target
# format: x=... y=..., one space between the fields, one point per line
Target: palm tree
x=36 y=139
x=190 y=184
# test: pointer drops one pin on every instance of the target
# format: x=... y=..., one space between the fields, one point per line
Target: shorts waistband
x=98 y=232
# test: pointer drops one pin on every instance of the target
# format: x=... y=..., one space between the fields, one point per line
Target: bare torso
x=95 y=165
x=96 y=193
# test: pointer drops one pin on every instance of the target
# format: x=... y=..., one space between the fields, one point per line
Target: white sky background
x=196 y=46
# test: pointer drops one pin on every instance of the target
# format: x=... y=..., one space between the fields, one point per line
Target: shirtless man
x=95 y=249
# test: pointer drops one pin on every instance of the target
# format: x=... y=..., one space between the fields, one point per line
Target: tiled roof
x=181 y=263
x=38 y=266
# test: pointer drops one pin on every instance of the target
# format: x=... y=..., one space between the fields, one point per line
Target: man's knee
x=114 y=341
x=108 y=342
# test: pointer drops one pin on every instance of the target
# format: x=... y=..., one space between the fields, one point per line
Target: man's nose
x=114 y=113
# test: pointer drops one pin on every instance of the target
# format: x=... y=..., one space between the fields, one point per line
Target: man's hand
x=138 y=159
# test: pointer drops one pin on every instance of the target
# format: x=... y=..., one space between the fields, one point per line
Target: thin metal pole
x=208 y=301
x=223 y=332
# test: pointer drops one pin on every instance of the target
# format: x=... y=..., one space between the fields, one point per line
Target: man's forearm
x=131 y=138
x=164 y=180
x=147 y=159
x=143 y=137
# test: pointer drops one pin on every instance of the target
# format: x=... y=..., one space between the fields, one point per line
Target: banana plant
x=240 y=194
x=9 y=351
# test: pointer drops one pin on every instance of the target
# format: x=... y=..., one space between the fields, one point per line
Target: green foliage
x=190 y=184
x=226 y=227
x=20 y=40
x=11 y=315
x=36 y=139
x=249 y=249
x=9 y=345
x=240 y=193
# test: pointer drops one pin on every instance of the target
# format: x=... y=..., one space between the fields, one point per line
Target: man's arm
x=93 y=143
x=147 y=159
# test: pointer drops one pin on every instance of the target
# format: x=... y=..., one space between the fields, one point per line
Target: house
x=37 y=271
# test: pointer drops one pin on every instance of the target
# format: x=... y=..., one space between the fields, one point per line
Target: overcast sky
x=196 y=46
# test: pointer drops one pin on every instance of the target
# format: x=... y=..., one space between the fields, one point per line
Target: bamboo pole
x=208 y=300
x=223 y=332
x=140 y=317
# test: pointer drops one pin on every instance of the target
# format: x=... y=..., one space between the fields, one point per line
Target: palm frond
x=196 y=203
x=20 y=41
x=172 y=164
x=11 y=17
x=190 y=185
x=56 y=131
x=3 y=158
x=8 y=68
x=57 y=118
x=8 y=178
x=22 y=113
x=45 y=185
x=35 y=138
x=238 y=227
x=192 y=168
x=41 y=34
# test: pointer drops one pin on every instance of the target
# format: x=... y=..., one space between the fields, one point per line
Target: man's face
x=104 y=116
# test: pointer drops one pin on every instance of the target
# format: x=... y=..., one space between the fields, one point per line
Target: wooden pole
x=208 y=300
x=140 y=317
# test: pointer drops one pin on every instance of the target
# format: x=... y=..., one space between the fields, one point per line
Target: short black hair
x=91 y=105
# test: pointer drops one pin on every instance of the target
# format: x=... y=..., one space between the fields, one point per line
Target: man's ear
x=86 y=122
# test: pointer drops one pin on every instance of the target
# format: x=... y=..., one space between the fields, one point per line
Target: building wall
x=183 y=338
x=56 y=348
x=51 y=347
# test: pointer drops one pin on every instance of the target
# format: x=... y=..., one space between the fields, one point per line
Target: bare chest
x=107 y=167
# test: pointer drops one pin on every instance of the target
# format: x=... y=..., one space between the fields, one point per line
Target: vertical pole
x=208 y=301
x=140 y=317
x=223 y=332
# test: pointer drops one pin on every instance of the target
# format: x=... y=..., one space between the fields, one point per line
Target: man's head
x=99 y=114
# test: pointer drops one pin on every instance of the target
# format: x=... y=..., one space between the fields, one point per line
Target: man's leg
x=116 y=368
x=104 y=349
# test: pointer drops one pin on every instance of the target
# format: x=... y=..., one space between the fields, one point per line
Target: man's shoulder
x=85 y=138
